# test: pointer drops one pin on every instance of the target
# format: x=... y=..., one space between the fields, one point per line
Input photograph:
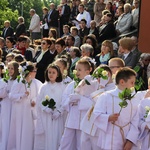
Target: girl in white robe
x=6 y=104
x=49 y=127
x=23 y=96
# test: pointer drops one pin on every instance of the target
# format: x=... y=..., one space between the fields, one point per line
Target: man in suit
x=53 y=17
x=108 y=32
x=64 y=16
x=8 y=30
x=125 y=46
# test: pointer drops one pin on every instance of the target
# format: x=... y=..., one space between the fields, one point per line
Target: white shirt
x=85 y=16
x=35 y=23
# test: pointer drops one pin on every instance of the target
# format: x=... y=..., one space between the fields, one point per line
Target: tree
x=7 y=14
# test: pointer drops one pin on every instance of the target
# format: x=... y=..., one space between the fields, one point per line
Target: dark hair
x=84 y=21
x=124 y=73
x=76 y=50
x=11 y=39
x=72 y=37
x=16 y=69
x=29 y=67
x=94 y=41
x=59 y=78
x=22 y=38
x=19 y=58
x=60 y=41
x=48 y=41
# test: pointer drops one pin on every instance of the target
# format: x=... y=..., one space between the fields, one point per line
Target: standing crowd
x=71 y=87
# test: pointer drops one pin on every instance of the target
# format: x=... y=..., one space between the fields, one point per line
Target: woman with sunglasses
x=44 y=59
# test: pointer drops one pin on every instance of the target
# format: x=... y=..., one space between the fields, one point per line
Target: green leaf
x=136 y=68
x=87 y=82
x=45 y=103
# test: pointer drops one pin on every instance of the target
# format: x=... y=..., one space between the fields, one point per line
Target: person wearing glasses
x=44 y=59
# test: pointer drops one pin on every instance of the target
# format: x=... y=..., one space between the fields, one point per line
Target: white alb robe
x=21 y=135
x=113 y=136
x=49 y=131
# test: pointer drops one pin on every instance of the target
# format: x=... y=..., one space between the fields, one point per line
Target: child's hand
x=33 y=103
x=74 y=98
x=113 y=117
x=27 y=93
x=128 y=145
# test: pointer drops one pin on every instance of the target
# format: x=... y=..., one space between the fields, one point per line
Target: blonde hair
x=119 y=61
x=126 y=43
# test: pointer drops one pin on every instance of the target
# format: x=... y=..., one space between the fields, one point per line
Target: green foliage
x=50 y=103
x=100 y=73
x=7 y=13
x=76 y=79
x=6 y=76
x=125 y=95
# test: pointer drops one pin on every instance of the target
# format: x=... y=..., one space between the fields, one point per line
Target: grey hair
x=144 y=55
x=128 y=6
x=87 y=48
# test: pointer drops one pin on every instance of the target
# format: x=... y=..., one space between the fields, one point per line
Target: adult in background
x=53 y=15
x=124 y=21
x=44 y=59
x=45 y=22
x=99 y=6
x=8 y=30
x=64 y=16
x=34 y=27
x=21 y=28
x=135 y=15
x=125 y=46
x=83 y=15
x=3 y=47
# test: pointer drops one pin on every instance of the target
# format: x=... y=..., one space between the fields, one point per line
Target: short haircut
x=16 y=69
x=127 y=43
x=84 y=21
x=119 y=61
x=22 y=38
x=74 y=28
x=7 y=21
x=72 y=37
x=10 y=55
x=76 y=50
x=59 y=78
x=66 y=26
x=125 y=74
x=82 y=5
x=87 y=48
x=60 y=41
x=2 y=40
x=21 y=19
x=104 y=12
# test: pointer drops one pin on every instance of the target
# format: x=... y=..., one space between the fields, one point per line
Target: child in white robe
x=23 y=95
x=90 y=132
x=144 y=125
x=49 y=127
x=6 y=104
x=76 y=105
x=118 y=131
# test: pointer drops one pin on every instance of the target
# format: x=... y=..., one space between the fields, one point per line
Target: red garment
x=22 y=50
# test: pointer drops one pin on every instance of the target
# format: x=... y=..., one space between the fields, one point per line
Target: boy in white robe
x=144 y=125
x=118 y=131
x=89 y=134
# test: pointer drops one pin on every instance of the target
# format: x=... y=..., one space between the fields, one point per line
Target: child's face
x=114 y=66
x=130 y=82
x=8 y=44
x=61 y=66
x=52 y=74
x=81 y=71
x=10 y=70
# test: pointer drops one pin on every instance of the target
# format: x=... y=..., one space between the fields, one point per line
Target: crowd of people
x=67 y=86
